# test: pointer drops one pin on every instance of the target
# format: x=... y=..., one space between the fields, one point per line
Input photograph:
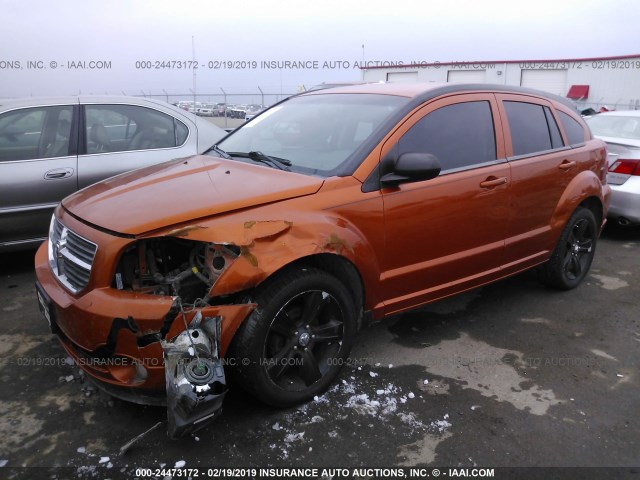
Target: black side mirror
x=411 y=167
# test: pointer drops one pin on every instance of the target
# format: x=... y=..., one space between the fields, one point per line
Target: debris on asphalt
x=128 y=445
x=180 y=464
x=373 y=374
x=293 y=437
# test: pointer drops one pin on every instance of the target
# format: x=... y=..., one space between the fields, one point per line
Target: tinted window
x=529 y=128
x=119 y=128
x=574 y=131
x=31 y=133
x=554 y=131
x=459 y=135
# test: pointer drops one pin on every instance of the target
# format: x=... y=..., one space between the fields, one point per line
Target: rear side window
x=460 y=135
x=574 y=131
x=121 y=128
x=530 y=132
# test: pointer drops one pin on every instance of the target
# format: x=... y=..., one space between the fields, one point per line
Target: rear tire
x=572 y=257
x=293 y=345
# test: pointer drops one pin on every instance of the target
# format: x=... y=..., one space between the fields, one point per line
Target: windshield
x=615 y=126
x=316 y=133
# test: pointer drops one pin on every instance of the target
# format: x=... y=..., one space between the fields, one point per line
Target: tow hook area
x=194 y=375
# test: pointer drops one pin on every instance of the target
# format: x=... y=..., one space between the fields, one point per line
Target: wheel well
x=593 y=204
x=340 y=268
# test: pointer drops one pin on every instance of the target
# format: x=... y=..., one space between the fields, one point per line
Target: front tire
x=293 y=345
x=572 y=257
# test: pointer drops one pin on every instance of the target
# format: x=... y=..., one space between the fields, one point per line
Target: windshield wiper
x=279 y=163
x=219 y=151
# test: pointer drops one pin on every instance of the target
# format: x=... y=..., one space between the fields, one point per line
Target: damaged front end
x=195 y=379
x=173 y=266
x=194 y=372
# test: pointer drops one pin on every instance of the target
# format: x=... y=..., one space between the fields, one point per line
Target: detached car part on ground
x=261 y=260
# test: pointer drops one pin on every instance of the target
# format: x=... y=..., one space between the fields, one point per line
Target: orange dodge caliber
x=261 y=259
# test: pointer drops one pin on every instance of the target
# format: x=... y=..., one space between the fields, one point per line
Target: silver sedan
x=51 y=147
x=621 y=131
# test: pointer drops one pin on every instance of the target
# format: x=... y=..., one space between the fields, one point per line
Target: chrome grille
x=70 y=256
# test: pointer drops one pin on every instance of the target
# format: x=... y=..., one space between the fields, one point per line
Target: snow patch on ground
x=610 y=283
x=357 y=396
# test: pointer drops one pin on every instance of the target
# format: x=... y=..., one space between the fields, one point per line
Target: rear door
x=38 y=168
x=447 y=234
x=541 y=168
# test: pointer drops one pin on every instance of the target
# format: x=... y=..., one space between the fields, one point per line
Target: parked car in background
x=219 y=110
x=329 y=210
x=193 y=107
x=253 y=111
x=51 y=147
x=205 y=110
x=236 y=111
x=621 y=131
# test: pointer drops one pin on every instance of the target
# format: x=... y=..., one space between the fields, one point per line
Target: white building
x=613 y=82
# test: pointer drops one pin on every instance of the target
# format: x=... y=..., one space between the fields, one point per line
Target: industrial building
x=609 y=82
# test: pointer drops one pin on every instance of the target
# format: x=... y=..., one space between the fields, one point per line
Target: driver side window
x=461 y=136
x=32 y=133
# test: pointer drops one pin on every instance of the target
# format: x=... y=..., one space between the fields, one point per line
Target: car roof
x=70 y=99
x=421 y=92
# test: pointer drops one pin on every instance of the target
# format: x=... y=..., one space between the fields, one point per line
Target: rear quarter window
x=574 y=131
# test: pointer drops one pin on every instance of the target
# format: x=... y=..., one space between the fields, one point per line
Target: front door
x=38 y=168
x=447 y=234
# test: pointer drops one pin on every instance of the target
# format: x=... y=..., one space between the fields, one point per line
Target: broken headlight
x=173 y=266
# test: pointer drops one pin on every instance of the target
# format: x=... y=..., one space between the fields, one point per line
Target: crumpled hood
x=183 y=190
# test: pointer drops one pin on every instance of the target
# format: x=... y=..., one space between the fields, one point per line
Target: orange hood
x=183 y=190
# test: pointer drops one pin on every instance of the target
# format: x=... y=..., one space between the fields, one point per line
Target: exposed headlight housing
x=173 y=266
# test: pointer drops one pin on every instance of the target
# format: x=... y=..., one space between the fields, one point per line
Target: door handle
x=58 y=173
x=566 y=165
x=492 y=182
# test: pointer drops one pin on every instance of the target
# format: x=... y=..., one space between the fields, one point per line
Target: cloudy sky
x=46 y=47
